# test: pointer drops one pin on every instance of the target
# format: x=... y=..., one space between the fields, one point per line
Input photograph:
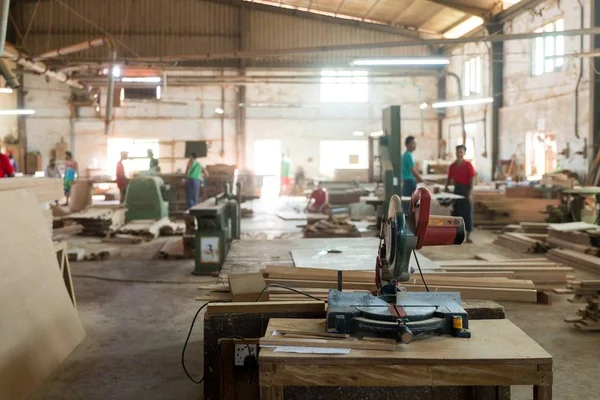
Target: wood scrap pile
x=147 y=228
x=176 y=193
x=334 y=226
x=562 y=179
x=219 y=174
x=585 y=292
x=521 y=242
x=499 y=209
x=97 y=222
x=66 y=232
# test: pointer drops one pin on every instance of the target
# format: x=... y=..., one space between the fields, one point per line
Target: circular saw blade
x=399 y=240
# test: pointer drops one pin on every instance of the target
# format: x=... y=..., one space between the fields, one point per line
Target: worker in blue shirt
x=410 y=174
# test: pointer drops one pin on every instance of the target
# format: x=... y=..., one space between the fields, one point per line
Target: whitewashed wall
x=545 y=103
x=296 y=117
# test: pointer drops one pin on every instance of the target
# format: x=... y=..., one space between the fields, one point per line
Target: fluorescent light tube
x=141 y=79
x=17 y=112
x=400 y=61
x=466 y=102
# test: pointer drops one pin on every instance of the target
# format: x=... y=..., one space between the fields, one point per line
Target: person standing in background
x=286 y=174
x=52 y=170
x=194 y=174
x=462 y=173
x=71 y=174
x=153 y=168
x=122 y=180
x=410 y=174
x=13 y=162
x=6 y=168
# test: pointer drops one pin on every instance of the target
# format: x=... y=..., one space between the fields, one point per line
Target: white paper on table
x=310 y=350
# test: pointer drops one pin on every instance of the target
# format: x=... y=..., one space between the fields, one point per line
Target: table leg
x=271 y=393
x=542 y=392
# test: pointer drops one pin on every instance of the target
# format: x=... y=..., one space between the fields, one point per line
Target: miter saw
x=393 y=312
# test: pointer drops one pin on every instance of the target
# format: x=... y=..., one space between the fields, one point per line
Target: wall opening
x=540 y=154
x=137 y=149
x=343 y=154
x=267 y=162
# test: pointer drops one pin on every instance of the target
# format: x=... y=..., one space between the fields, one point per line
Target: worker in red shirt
x=6 y=168
x=317 y=202
x=122 y=180
x=461 y=172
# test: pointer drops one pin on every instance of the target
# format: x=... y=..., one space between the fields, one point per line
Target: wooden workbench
x=498 y=354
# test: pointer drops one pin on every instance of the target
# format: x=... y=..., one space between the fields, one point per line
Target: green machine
x=218 y=223
x=145 y=199
x=390 y=153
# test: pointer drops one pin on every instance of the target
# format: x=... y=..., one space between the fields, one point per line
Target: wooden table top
x=492 y=342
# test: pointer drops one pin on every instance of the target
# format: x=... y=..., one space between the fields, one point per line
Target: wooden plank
x=40 y=327
x=302 y=283
x=44 y=190
x=266 y=307
x=332 y=344
x=573 y=226
x=500 y=283
x=495 y=264
x=489 y=257
x=280 y=272
x=248 y=287
x=518 y=295
x=496 y=342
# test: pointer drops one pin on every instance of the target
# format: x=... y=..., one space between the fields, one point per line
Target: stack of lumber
x=499 y=209
x=543 y=273
x=97 y=222
x=521 y=242
x=576 y=241
x=176 y=193
x=575 y=259
x=564 y=180
x=586 y=292
x=219 y=174
x=334 y=226
x=486 y=285
x=66 y=232
x=534 y=227
x=147 y=228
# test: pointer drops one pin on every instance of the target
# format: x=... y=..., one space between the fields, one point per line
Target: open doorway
x=137 y=149
x=540 y=154
x=267 y=163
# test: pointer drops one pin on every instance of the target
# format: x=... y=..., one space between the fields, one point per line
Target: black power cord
x=187 y=339
x=420 y=272
x=287 y=288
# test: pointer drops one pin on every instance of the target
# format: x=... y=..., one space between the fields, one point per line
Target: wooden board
x=248 y=287
x=573 y=226
x=299 y=216
x=489 y=257
x=492 y=341
x=44 y=189
x=266 y=307
x=350 y=258
x=39 y=326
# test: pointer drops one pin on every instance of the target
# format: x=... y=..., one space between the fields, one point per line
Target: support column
x=241 y=90
x=442 y=90
x=595 y=83
x=497 y=85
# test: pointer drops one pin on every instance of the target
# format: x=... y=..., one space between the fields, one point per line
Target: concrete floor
x=137 y=319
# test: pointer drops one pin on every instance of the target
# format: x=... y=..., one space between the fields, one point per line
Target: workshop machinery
x=393 y=312
x=146 y=198
x=218 y=222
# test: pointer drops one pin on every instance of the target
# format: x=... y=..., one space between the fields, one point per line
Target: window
x=344 y=86
x=548 y=52
x=137 y=150
x=472 y=76
x=145 y=93
x=343 y=154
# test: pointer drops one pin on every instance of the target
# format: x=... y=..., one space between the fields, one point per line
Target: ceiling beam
x=471 y=10
x=517 y=9
x=399 y=14
x=370 y=10
x=339 y=7
x=412 y=34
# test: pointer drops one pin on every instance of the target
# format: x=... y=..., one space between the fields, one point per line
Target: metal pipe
x=4 y=24
x=39 y=67
x=363 y=46
x=223 y=121
x=462 y=108
x=576 y=94
x=110 y=96
x=74 y=48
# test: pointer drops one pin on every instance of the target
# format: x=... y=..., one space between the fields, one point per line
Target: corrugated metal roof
x=162 y=28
